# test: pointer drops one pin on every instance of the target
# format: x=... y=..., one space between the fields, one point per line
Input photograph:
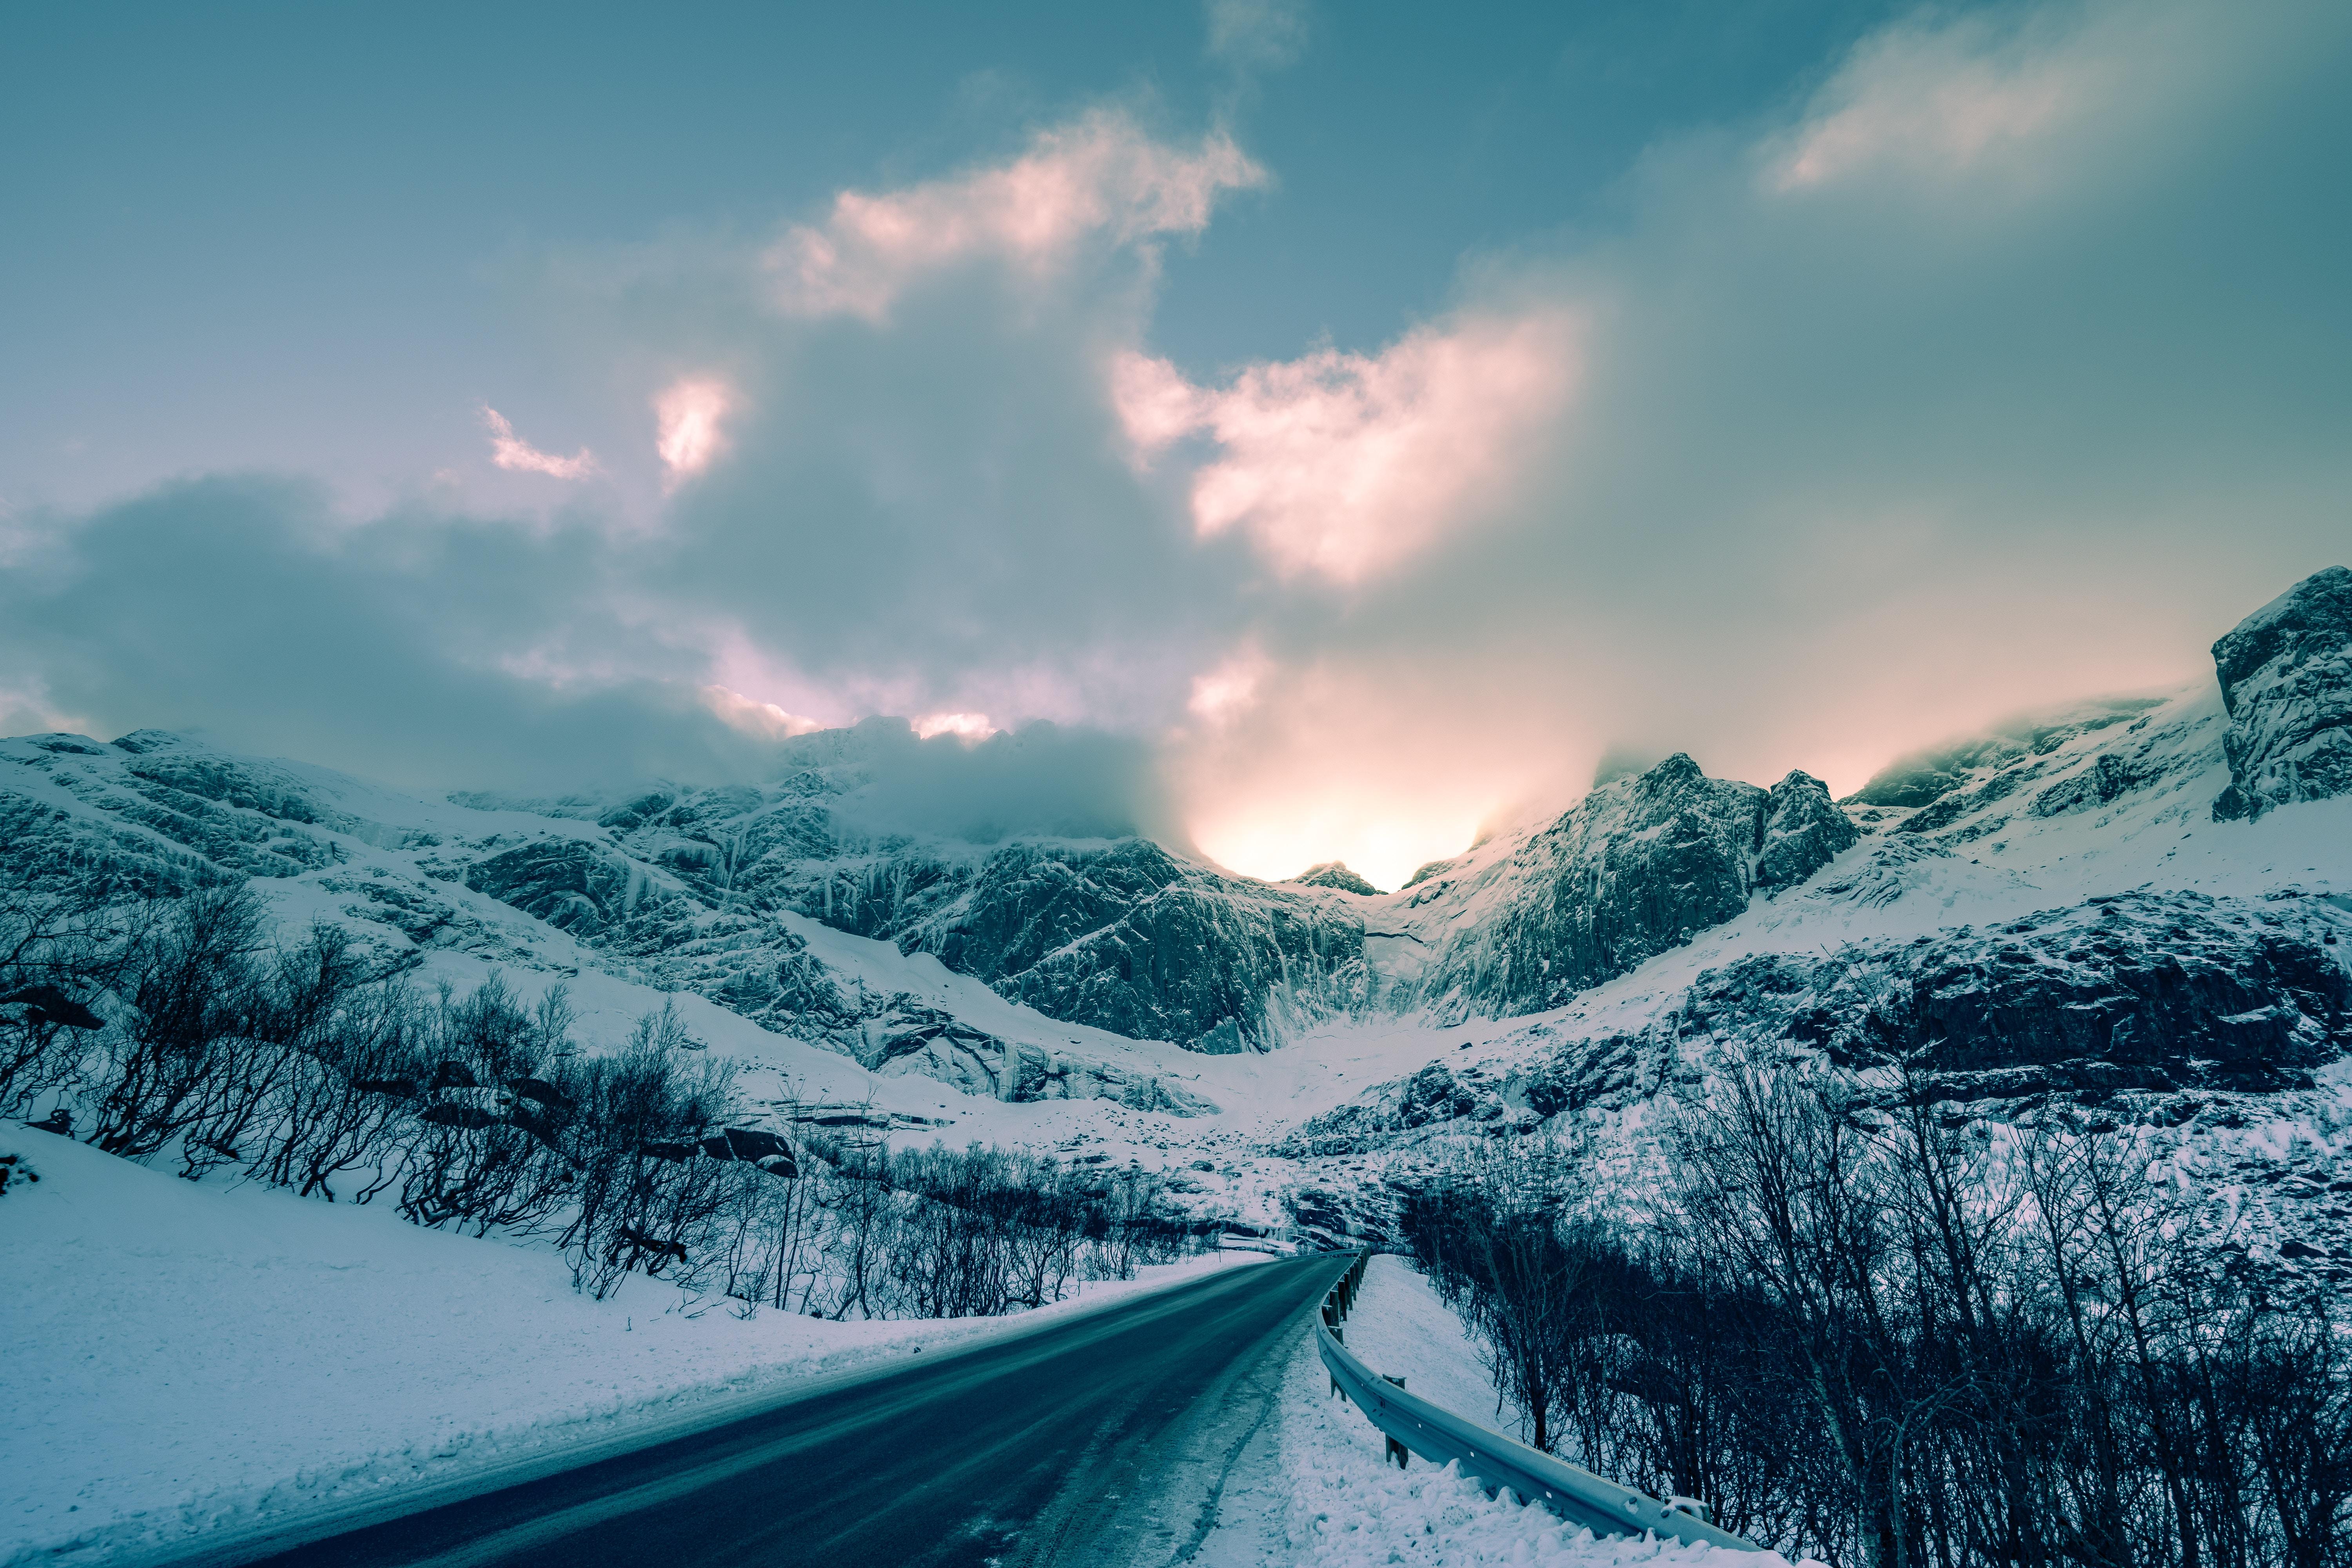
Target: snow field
x=181 y=1359
x=1351 y=1506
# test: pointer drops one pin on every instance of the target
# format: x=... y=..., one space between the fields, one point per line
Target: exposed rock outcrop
x=1133 y=939
x=2150 y=997
x=571 y=884
x=1803 y=831
x=1334 y=874
x=2286 y=679
x=1636 y=868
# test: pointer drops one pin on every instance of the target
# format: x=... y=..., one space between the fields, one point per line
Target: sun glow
x=962 y=726
x=1385 y=851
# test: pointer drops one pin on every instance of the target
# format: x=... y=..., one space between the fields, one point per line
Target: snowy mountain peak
x=1334 y=874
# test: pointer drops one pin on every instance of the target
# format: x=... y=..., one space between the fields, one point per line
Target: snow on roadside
x=1351 y=1506
x=1400 y=1329
x=181 y=1359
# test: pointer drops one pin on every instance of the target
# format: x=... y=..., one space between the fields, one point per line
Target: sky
x=1318 y=432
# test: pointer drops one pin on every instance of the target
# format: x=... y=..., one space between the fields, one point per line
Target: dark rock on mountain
x=2144 y=996
x=1432 y=1094
x=2286 y=680
x=2139 y=992
x=1199 y=955
x=537 y=1089
x=2142 y=990
x=570 y=883
x=1926 y=778
x=1803 y=831
x=47 y=1004
x=1334 y=874
x=1123 y=936
x=1636 y=868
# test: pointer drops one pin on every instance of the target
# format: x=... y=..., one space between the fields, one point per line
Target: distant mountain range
x=2148 y=898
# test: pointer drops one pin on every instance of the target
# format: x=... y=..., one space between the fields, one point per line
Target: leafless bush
x=638 y=1205
x=60 y=948
x=1861 y=1332
x=307 y=1067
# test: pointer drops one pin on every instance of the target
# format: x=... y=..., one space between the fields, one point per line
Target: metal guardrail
x=1414 y=1424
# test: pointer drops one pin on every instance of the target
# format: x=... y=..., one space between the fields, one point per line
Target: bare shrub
x=1858 y=1329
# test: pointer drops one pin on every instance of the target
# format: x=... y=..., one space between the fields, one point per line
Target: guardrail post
x=1396 y=1450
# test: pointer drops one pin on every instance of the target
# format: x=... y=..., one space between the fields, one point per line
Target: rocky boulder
x=2286 y=679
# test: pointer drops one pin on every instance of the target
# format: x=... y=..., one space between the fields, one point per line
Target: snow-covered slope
x=184 y=1358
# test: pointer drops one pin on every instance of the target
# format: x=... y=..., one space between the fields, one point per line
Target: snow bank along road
x=1106 y=1440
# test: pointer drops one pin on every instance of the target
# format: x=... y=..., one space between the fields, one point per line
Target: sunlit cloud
x=511 y=451
x=687 y=415
x=1936 y=100
x=764 y=720
x=962 y=726
x=1099 y=178
x=1344 y=465
x=1228 y=691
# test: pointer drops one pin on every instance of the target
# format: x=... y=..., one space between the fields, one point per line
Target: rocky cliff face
x=2158 y=1004
x=1636 y=868
x=685 y=884
x=1123 y=936
x=1334 y=874
x=2286 y=680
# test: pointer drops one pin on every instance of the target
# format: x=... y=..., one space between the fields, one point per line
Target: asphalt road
x=1106 y=1440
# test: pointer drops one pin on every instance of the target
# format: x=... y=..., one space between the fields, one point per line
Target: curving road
x=1104 y=1439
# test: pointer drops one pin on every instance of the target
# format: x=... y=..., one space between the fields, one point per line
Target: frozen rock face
x=2286 y=679
x=151 y=814
x=2152 y=1003
x=1638 y=867
x=1803 y=831
x=1118 y=933
x=2145 y=992
x=2093 y=751
x=571 y=884
x=1132 y=939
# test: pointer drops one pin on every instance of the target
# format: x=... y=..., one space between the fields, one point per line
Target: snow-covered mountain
x=2143 y=903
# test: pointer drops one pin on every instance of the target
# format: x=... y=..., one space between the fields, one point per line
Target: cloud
x=1929 y=100
x=433 y=651
x=511 y=451
x=1039 y=780
x=1100 y=179
x=1256 y=35
x=1965 y=419
x=1229 y=690
x=1347 y=465
x=687 y=414
x=764 y=720
x=962 y=726
x=423 y=648
x=2003 y=367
